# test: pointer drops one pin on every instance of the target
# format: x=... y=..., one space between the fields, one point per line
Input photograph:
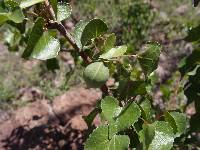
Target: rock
x=24 y=119
x=75 y=102
x=40 y=126
x=78 y=123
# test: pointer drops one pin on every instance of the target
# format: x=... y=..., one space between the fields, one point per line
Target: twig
x=59 y=26
x=50 y=9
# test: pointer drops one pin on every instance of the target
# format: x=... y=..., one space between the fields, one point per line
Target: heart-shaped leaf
x=46 y=48
x=109 y=106
x=114 y=52
x=63 y=11
x=127 y=116
x=119 y=117
x=96 y=74
x=93 y=29
x=164 y=137
x=149 y=58
x=178 y=122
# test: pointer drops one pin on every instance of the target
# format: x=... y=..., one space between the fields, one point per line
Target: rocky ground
x=42 y=126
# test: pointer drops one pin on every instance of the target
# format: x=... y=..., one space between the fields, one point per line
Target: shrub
x=129 y=120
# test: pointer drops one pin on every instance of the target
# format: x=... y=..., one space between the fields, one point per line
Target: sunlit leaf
x=164 y=137
x=177 y=121
x=109 y=105
x=114 y=52
x=96 y=74
x=99 y=140
x=127 y=116
x=63 y=11
x=78 y=32
x=119 y=142
x=34 y=37
x=28 y=3
x=46 y=48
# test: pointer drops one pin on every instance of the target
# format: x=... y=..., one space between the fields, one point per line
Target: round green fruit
x=96 y=74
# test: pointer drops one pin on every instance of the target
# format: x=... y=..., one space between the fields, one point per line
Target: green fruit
x=96 y=74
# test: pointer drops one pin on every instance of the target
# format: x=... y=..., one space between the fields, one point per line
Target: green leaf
x=119 y=118
x=164 y=137
x=28 y=3
x=119 y=142
x=178 y=122
x=46 y=48
x=96 y=74
x=63 y=11
x=109 y=105
x=16 y=15
x=36 y=33
x=99 y=140
x=127 y=116
x=149 y=58
x=78 y=32
x=109 y=42
x=93 y=29
x=147 y=112
x=146 y=135
x=114 y=52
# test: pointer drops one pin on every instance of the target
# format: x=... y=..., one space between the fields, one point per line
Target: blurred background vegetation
x=135 y=22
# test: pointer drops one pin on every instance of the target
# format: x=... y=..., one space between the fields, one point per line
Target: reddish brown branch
x=70 y=39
